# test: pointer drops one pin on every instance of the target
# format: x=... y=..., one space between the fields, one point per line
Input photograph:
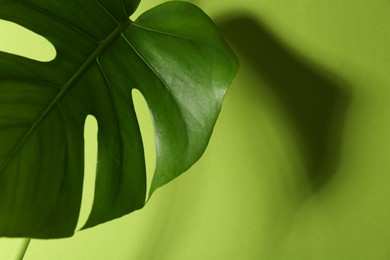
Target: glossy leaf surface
x=173 y=54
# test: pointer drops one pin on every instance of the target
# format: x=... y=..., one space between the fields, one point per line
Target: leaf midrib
x=102 y=47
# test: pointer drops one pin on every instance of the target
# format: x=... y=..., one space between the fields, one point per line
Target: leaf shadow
x=314 y=100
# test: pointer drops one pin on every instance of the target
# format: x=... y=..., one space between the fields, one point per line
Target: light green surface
x=249 y=196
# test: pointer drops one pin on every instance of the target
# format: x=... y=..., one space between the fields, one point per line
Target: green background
x=297 y=167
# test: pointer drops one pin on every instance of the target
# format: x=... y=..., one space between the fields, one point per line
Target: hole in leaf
x=147 y=133
x=90 y=160
x=18 y=40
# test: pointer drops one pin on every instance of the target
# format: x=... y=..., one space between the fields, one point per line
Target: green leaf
x=173 y=54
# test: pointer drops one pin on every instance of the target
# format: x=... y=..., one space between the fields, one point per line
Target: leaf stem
x=21 y=249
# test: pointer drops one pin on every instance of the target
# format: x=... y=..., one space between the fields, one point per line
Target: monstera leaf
x=173 y=54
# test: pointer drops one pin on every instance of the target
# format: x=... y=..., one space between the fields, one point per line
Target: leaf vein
x=45 y=83
x=159 y=77
x=56 y=17
x=166 y=33
x=106 y=11
x=110 y=88
x=124 y=8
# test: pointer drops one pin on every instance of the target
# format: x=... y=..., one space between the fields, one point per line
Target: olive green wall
x=298 y=166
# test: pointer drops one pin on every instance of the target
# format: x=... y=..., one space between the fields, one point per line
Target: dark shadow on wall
x=314 y=101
